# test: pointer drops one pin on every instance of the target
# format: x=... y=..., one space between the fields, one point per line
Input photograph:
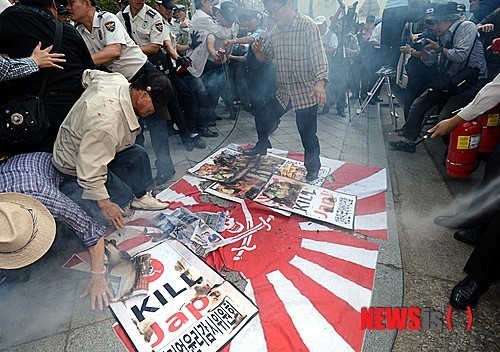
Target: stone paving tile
x=97 y=337
x=52 y=343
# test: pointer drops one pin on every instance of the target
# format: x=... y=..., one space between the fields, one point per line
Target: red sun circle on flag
x=155 y=269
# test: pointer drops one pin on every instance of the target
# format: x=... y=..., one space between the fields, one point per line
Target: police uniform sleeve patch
x=159 y=26
x=150 y=13
x=110 y=26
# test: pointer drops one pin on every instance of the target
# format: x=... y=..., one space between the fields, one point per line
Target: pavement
x=45 y=312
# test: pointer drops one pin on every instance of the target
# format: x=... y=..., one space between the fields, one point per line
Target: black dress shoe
x=311 y=176
x=324 y=111
x=456 y=221
x=211 y=124
x=207 y=133
x=187 y=144
x=468 y=236
x=255 y=151
x=403 y=146
x=467 y=293
x=341 y=113
x=198 y=142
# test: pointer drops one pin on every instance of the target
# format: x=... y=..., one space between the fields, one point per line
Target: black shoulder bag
x=23 y=122
x=444 y=86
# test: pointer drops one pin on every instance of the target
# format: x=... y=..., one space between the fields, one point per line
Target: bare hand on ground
x=112 y=212
x=98 y=290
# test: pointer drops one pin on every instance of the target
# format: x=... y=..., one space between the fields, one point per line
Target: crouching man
x=104 y=171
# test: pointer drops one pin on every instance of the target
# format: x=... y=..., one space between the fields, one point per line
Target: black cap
x=229 y=11
x=370 y=19
x=169 y=4
x=159 y=88
x=443 y=12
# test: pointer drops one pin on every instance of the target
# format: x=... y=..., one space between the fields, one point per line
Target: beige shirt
x=147 y=26
x=100 y=124
x=107 y=29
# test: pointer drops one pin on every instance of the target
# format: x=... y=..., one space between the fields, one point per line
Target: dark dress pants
x=188 y=106
x=198 y=88
x=484 y=263
x=129 y=174
x=307 y=124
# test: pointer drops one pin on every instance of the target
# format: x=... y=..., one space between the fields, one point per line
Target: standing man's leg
x=159 y=139
x=264 y=121
x=307 y=124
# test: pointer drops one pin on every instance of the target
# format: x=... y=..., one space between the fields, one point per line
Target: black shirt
x=21 y=28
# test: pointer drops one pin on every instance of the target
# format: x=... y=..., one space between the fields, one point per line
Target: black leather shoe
x=198 y=142
x=311 y=176
x=255 y=151
x=341 y=113
x=467 y=293
x=207 y=133
x=403 y=146
x=324 y=111
x=211 y=124
x=468 y=236
x=187 y=144
x=457 y=221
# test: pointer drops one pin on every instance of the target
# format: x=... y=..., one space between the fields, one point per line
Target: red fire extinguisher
x=491 y=132
x=463 y=149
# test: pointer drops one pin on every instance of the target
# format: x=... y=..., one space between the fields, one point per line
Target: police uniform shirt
x=106 y=30
x=147 y=26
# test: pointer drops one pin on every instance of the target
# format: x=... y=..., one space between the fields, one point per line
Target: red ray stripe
x=296 y=156
x=340 y=238
x=349 y=173
x=353 y=272
x=371 y=205
x=185 y=188
x=344 y=319
x=279 y=330
x=382 y=234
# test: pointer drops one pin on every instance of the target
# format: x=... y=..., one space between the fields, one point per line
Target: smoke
x=483 y=202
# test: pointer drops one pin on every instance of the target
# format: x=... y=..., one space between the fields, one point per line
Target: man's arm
x=107 y=54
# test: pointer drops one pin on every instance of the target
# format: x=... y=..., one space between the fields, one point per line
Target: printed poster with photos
x=241 y=177
x=188 y=305
x=309 y=201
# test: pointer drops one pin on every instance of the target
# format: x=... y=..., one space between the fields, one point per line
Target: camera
x=422 y=39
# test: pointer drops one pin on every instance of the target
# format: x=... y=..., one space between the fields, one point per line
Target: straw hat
x=27 y=230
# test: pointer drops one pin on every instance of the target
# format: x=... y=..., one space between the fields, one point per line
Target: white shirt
x=376 y=34
x=107 y=29
x=147 y=26
x=487 y=98
x=204 y=24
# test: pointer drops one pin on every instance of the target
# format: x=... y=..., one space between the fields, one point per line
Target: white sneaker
x=148 y=202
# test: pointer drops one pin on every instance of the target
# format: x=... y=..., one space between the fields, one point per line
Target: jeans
x=129 y=174
x=307 y=124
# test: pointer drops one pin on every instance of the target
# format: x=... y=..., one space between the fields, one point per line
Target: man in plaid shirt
x=301 y=73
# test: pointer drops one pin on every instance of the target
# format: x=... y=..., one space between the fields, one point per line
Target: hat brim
x=40 y=243
x=161 y=110
x=444 y=17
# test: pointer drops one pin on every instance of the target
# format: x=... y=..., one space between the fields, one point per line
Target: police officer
x=112 y=47
x=186 y=97
x=144 y=25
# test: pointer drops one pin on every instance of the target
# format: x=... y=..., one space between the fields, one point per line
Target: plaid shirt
x=16 y=68
x=34 y=175
x=300 y=61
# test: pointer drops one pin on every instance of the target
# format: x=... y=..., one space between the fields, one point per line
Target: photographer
x=419 y=74
x=461 y=65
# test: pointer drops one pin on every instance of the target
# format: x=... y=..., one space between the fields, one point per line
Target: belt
x=60 y=94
